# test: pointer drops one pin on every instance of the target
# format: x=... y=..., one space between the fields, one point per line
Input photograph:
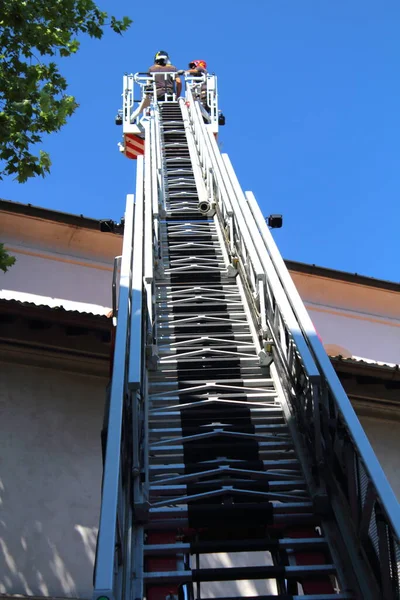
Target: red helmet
x=195 y=64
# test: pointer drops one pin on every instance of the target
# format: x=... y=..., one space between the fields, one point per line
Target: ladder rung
x=274 y=486
x=282 y=521
x=218 y=510
x=234 y=573
x=209 y=547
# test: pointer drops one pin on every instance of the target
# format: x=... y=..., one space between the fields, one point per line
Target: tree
x=6 y=261
x=33 y=98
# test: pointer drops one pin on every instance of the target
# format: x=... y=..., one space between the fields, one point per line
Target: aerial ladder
x=234 y=464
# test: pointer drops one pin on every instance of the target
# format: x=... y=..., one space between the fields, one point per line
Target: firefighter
x=197 y=68
x=165 y=85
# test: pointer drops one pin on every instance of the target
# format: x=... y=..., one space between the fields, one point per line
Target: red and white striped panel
x=134 y=145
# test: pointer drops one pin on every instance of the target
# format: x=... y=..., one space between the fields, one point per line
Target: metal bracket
x=268 y=346
x=322 y=505
x=231 y=271
x=265 y=358
x=151 y=356
x=141 y=511
x=159 y=269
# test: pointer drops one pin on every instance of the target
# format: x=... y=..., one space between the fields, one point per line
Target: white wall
x=362 y=320
x=58 y=264
x=50 y=477
x=39 y=279
x=384 y=436
x=375 y=339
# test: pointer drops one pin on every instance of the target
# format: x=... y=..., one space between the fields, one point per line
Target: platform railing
x=140 y=89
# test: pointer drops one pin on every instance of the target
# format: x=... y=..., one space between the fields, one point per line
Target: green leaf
x=6 y=261
x=33 y=92
x=45 y=162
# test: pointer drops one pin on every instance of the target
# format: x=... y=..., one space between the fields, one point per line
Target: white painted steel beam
x=135 y=345
x=104 y=577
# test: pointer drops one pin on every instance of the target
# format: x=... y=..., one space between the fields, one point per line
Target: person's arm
x=178 y=86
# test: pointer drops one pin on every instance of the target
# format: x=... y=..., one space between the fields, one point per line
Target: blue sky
x=311 y=94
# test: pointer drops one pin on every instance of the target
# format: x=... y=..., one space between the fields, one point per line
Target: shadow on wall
x=50 y=480
x=34 y=565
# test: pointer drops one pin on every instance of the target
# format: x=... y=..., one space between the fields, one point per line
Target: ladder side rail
x=141 y=337
x=223 y=241
x=214 y=188
x=160 y=174
x=367 y=492
x=279 y=331
x=246 y=257
x=150 y=204
x=194 y=156
x=283 y=325
x=205 y=150
x=238 y=233
x=211 y=153
x=115 y=287
x=276 y=288
x=104 y=576
x=280 y=312
x=136 y=317
x=197 y=138
x=200 y=154
x=158 y=211
x=244 y=249
x=154 y=162
x=152 y=238
x=232 y=228
x=135 y=366
x=215 y=185
x=213 y=176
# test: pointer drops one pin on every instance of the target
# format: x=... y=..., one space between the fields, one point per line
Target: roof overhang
x=55 y=338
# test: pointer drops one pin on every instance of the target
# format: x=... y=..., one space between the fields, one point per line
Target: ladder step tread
x=235 y=573
x=209 y=547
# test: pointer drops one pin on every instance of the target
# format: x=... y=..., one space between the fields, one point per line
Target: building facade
x=55 y=342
